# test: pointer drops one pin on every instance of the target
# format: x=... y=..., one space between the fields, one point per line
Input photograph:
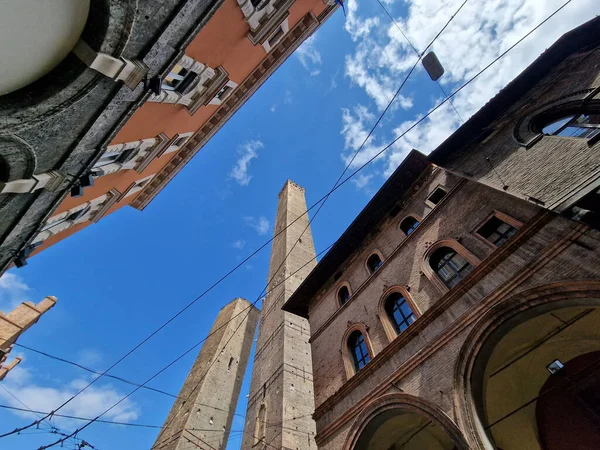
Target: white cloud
x=382 y=58
x=288 y=99
x=247 y=151
x=89 y=357
x=362 y=180
x=90 y=403
x=238 y=244
x=355 y=129
x=260 y=224
x=273 y=108
x=309 y=56
x=13 y=291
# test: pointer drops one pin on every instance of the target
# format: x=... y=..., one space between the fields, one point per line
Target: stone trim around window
x=113 y=196
x=203 y=98
x=454 y=245
x=173 y=144
x=158 y=149
x=500 y=215
x=264 y=22
x=277 y=35
x=136 y=187
x=346 y=356
x=524 y=132
x=388 y=326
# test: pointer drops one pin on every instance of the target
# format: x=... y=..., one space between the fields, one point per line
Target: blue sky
x=120 y=279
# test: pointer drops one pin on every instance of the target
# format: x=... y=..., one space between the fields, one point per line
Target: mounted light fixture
x=555 y=367
x=86 y=180
x=76 y=191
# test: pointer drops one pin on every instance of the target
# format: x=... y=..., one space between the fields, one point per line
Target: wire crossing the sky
x=344 y=181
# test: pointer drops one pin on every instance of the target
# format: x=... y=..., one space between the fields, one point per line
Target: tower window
x=436 y=196
x=399 y=312
x=358 y=349
x=579 y=126
x=374 y=262
x=343 y=295
x=408 y=225
x=496 y=231
x=449 y=266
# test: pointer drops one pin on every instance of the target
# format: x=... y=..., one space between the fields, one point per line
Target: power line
x=419 y=54
x=174 y=361
x=67 y=416
x=344 y=181
x=336 y=183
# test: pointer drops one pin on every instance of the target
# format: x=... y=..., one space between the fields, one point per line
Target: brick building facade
x=459 y=311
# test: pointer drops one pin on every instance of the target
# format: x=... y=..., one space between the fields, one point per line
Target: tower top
x=289 y=183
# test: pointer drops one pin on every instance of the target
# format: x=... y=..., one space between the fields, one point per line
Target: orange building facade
x=239 y=48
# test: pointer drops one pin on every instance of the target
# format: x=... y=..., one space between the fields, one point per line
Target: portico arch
x=502 y=371
x=400 y=420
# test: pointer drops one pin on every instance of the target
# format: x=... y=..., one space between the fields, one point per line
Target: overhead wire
x=420 y=54
x=337 y=186
x=177 y=359
x=348 y=165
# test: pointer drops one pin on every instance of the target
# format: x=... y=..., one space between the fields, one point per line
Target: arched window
x=450 y=266
x=343 y=295
x=358 y=350
x=260 y=426
x=399 y=312
x=374 y=262
x=578 y=125
x=409 y=224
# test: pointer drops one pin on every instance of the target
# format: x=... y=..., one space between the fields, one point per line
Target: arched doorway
x=516 y=395
x=396 y=429
x=398 y=421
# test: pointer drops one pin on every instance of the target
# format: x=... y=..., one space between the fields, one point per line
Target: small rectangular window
x=224 y=92
x=496 y=231
x=276 y=37
x=436 y=196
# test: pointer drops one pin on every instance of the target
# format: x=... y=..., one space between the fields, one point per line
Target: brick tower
x=212 y=391
x=281 y=399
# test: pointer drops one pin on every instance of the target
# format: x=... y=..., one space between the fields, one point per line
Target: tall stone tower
x=210 y=393
x=281 y=400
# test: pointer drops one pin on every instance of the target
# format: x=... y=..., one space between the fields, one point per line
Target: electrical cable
x=419 y=54
x=344 y=181
x=177 y=359
x=337 y=181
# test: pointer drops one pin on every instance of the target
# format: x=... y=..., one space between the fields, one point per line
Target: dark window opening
x=449 y=266
x=259 y=4
x=409 y=225
x=343 y=295
x=496 y=231
x=180 y=140
x=358 y=348
x=274 y=39
x=224 y=92
x=338 y=275
x=580 y=126
x=374 y=262
x=230 y=363
x=436 y=196
x=399 y=312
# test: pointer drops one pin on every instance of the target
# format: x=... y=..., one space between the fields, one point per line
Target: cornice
x=238 y=97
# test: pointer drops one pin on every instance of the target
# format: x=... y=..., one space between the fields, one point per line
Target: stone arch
x=106 y=30
x=527 y=130
x=402 y=402
x=487 y=333
x=374 y=251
